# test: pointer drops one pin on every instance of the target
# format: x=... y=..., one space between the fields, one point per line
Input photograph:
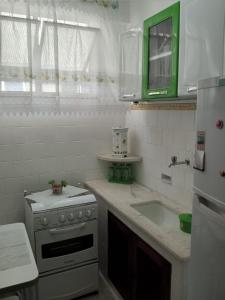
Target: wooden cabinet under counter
x=173 y=248
x=135 y=268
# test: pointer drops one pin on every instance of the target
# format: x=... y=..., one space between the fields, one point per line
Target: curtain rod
x=39 y=19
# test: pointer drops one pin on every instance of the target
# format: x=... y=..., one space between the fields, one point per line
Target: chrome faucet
x=174 y=162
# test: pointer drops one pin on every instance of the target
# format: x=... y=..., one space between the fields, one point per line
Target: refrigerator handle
x=214 y=207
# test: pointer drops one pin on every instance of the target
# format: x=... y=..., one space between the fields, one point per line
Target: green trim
x=171 y=91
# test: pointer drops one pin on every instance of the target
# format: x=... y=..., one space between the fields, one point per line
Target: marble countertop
x=17 y=264
x=120 y=197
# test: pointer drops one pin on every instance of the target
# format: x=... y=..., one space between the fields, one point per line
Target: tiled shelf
x=129 y=159
x=163 y=106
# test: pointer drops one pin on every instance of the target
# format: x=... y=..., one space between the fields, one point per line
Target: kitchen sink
x=158 y=213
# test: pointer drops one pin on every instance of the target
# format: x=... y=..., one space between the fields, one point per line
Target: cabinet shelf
x=110 y=158
x=160 y=56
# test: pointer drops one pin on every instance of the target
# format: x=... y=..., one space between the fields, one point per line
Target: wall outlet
x=166 y=178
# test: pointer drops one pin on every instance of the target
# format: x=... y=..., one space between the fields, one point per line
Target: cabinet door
x=136 y=270
x=160 y=54
x=202 y=43
x=153 y=274
x=120 y=256
x=130 y=65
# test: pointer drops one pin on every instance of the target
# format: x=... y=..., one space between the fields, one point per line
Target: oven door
x=69 y=245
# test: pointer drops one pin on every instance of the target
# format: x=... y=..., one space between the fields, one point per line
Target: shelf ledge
x=129 y=159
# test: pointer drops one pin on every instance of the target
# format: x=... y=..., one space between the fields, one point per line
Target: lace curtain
x=59 y=51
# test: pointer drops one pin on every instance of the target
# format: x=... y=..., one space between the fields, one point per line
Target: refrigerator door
x=207 y=264
x=210 y=119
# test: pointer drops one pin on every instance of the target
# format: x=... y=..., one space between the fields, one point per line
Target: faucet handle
x=174 y=159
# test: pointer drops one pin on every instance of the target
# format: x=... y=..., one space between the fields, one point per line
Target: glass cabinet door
x=130 y=65
x=160 y=60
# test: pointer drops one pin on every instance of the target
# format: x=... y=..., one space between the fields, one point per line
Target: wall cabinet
x=136 y=270
x=160 y=54
x=130 y=65
x=201 y=42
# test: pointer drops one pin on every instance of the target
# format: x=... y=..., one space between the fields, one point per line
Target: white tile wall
x=35 y=148
x=156 y=136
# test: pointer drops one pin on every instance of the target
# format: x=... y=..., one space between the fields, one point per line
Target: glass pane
x=48 y=51
x=130 y=73
x=66 y=247
x=15 y=86
x=75 y=54
x=160 y=55
x=43 y=58
x=75 y=47
x=14 y=65
x=14 y=49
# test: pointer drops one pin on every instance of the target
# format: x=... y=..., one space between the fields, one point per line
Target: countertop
x=120 y=197
x=17 y=264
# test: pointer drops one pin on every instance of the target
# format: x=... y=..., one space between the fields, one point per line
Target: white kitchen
x=112 y=146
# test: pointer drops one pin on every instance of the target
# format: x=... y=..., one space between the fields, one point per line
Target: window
x=43 y=57
x=15 y=69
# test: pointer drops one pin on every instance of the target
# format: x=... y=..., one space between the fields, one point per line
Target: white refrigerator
x=207 y=262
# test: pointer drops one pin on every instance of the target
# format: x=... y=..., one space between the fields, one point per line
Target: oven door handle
x=67 y=229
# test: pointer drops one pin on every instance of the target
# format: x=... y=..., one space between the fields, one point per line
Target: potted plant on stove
x=57 y=187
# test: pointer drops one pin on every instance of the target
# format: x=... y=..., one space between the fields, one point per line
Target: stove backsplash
x=35 y=148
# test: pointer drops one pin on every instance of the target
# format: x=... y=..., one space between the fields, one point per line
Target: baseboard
x=110 y=286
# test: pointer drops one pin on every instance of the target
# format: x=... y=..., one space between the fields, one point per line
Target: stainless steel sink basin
x=158 y=213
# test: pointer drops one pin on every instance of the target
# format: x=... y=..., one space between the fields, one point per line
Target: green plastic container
x=185 y=222
x=120 y=173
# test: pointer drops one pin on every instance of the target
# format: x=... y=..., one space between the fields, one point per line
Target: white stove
x=63 y=234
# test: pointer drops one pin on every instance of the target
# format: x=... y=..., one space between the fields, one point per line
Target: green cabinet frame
x=148 y=92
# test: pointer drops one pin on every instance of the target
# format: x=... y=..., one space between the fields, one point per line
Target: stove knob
x=80 y=214
x=44 y=221
x=62 y=218
x=70 y=216
x=88 y=213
